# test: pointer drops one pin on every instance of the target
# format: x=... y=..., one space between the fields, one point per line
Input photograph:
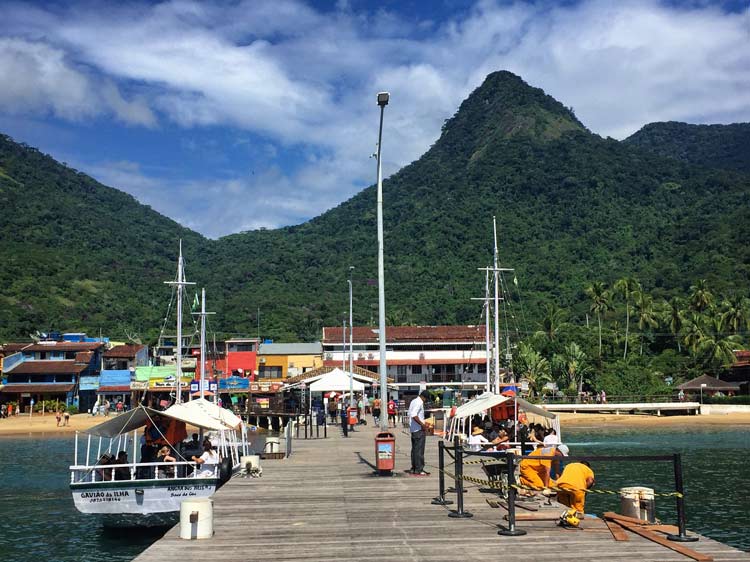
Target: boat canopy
x=140 y=417
x=488 y=400
x=207 y=408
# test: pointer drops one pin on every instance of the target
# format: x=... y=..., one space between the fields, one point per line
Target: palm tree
x=673 y=318
x=694 y=332
x=701 y=298
x=735 y=315
x=644 y=306
x=574 y=365
x=552 y=321
x=627 y=286
x=532 y=367
x=600 y=304
x=715 y=350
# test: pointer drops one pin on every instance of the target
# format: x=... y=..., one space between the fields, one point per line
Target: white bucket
x=272 y=445
x=638 y=502
x=197 y=519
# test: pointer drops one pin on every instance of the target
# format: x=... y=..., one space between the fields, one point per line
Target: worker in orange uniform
x=535 y=473
x=577 y=477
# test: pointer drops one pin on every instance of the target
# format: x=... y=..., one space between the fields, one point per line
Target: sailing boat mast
x=180 y=283
x=203 y=315
x=496 y=348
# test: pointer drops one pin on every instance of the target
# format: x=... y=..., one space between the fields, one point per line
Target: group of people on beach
x=62 y=418
x=8 y=410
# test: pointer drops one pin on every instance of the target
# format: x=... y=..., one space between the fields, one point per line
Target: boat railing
x=180 y=470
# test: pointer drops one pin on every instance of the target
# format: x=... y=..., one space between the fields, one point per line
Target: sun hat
x=477 y=431
x=564 y=450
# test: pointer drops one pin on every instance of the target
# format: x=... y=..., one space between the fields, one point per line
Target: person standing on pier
x=418 y=429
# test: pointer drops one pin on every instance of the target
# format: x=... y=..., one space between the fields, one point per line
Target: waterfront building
x=120 y=363
x=279 y=361
x=416 y=356
x=739 y=372
x=61 y=370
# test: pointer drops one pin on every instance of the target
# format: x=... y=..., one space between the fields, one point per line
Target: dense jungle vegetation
x=577 y=215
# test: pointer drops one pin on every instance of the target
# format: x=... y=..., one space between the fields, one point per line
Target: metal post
x=511 y=530
x=459 y=469
x=344 y=421
x=351 y=339
x=679 y=488
x=383 y=98
x=440 y=499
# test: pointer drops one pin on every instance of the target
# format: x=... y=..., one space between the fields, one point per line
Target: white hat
x=564 y=450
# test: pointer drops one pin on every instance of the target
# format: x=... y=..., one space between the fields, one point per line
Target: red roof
x=407 y=334
x=374 y=362
x=46 y=367
x=37 y=388
x=110 y=389
x=127 y=351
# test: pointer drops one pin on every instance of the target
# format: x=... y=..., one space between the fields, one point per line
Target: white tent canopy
x=488 y=400
x=140 y=416
x=207 y=408
x=336 y=380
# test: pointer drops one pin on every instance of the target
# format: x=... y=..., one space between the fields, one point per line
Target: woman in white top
x=208 y=461
x=476 y=440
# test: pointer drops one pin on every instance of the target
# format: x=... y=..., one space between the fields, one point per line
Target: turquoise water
x=715 y=467
x=39 y=521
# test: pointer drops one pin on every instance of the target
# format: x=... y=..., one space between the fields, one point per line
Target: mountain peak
x=505 y=107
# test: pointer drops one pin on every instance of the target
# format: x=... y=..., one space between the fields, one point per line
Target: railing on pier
x=507 y=462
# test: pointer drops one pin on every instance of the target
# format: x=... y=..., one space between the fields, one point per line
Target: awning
x=139 y=417
x=213 y=411
x=113 y=389
x=37 y=388
x=336 y=380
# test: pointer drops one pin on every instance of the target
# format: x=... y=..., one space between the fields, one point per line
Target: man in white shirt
x=417 y=427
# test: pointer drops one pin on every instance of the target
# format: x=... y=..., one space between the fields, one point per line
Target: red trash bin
x=353 y=415
x=385 y=452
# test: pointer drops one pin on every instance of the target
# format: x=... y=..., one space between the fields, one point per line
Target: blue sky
x=232 y=116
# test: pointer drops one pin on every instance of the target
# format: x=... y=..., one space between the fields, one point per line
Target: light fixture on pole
x=351 y=340
x=703 y=385
x=383 y=98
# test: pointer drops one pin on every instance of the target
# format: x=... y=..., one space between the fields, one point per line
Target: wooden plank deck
x=325 y=504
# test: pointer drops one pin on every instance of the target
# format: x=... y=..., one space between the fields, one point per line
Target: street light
x=703 y=385
x=351 y=341
x=383 y=98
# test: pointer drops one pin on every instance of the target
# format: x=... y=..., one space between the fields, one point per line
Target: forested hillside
x=711 y=146
x=572 y=209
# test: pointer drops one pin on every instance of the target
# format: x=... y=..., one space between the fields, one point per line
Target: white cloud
x=301 y=81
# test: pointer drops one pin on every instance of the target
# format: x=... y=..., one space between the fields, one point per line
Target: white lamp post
x=703 y=385
x=383 y=98
x=351 y=341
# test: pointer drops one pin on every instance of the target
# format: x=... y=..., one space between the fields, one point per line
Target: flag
x=196 y=302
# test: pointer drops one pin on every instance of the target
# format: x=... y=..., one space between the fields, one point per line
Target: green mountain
x=571 y=207
x=711 y=146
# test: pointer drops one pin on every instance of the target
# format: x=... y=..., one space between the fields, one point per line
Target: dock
x=326 y=503
x=657 y=408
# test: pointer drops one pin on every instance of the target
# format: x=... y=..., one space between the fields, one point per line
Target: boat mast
x=496 y=347
x=487 y=326
x=180 y=283
x=203 y=315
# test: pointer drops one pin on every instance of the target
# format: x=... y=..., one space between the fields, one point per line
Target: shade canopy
x=140 y=416
x=711 y=384
x=204 y=407
x=337 y=380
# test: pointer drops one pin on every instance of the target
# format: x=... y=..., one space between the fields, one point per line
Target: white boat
x=146 y=492
x=150 y=493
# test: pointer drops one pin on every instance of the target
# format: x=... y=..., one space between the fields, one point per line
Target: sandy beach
x=47 y=425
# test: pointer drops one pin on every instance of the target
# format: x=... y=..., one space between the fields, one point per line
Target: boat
x=105 y=482
x=150 y=493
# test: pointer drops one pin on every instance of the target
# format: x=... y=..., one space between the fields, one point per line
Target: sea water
x=715 y=468
x=39 y=520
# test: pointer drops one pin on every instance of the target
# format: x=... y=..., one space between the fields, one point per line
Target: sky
x=235 y=116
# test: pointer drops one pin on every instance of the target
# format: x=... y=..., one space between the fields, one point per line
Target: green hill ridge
x=572 y=208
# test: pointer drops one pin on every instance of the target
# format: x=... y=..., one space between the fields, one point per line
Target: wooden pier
x=326 y=504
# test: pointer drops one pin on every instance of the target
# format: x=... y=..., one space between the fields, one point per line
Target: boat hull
x=139 y=497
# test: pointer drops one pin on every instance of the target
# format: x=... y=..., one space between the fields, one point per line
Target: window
x=270 y=372
x=401 y=370
x=416 y=369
